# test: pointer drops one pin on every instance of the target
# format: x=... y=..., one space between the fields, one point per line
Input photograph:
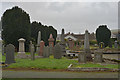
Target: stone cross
x=32 y=49
x=10 y=51
x=98 y=56
x=82 y=57
x=38 y=42
x=57 y=53
x=87 y=46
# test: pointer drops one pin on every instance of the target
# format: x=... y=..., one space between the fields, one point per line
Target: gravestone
x=46 y=52
x=98 y=56
x=1 y=48
x=51 y=48
x=101 y=45
x=82 y=57
x=51 y=40
x=21 y=53
x=38 y=43
x=10 y=51
x=71 y=44
x=87 y=46
x=32 y=51
x=42 y=44
x=116 y=44
x=57 y=52
x=62 y=43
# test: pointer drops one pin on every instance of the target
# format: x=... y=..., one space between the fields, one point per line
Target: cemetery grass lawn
x=92 y=65
x=51 y=63
x=41 y=63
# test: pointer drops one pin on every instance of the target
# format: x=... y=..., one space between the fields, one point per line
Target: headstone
x=1 y=48
x=21 y=53
x=101 y=45
x=42 y=44
x=10 y=51
x=116 y=44
x=98 y=56
x=87 y=46
x=30 y=46
x=57 y=53
x=62 y=43
x=51 y=40
x=38 y=43
x=46 y=52
x=77 y=47
x=32 y=49
x=62 y=35
x=82 y=57
x=71 y=44
x=51 y=49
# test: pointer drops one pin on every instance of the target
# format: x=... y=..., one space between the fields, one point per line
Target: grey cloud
x=73 y=16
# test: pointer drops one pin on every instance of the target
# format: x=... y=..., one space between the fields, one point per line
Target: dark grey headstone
x=51 y=49
x=46 y=52
x=98 y=56
x=116 y=44
x=82 y=57
x=32 y=51
x=57 y=52
x=10 y=51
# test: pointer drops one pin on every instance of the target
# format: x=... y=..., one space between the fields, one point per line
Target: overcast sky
x=75 y=17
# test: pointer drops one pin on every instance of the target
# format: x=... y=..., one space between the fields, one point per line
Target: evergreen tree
x=103 y=34
x=16 y=25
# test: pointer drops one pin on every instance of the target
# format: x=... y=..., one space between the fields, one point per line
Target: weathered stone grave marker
x=32 y=51
x=46 y=52
x=98 y=56
x=10 y=51
x=42 y=44
x=38 y=43
x=57 y=53
x=51 y=49
x=82 y=57
x=21 y=53
x=51 y=40
x=87 y=46
x=116 y=44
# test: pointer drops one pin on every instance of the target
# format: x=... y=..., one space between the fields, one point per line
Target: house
x=76 y=37
x=115 y=33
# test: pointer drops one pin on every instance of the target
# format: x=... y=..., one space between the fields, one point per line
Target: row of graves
x=57 y=50
x=43 y=51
